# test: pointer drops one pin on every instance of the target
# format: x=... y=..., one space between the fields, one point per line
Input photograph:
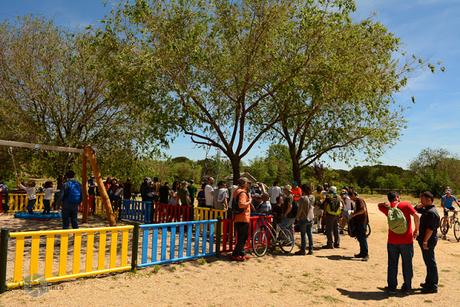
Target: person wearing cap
x=241 y=218
x=332 y=209
x=347 y=207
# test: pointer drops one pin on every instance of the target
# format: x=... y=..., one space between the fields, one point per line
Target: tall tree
x=346 y=104
x=53 y=91
x=219 y=62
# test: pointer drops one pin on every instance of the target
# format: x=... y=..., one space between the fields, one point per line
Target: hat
x=333 y=190
x=287 y=187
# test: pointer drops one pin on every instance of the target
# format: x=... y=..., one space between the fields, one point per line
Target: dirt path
x=329 y=277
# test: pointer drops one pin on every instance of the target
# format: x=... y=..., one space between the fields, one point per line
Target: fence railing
x=165 y=213
x=201 y=213
x=77 y=245
x=18 y=202
x=138 y=211
x=173 y=242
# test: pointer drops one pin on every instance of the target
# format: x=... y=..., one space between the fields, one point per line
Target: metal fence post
x=135 y=246
x=218 y=236
x=4 y=236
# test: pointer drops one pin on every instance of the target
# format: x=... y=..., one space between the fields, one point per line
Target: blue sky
x=428 y=28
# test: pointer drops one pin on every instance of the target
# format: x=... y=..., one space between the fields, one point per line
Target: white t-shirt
x=347 y=204
x=274 y=192
x=49 y=192
x=30 y=192
x=209 y=195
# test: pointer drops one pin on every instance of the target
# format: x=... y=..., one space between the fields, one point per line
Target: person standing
x=222 y=196
x=183 y=194
x=145 y=189
x=359 y=220
x=274 y=191
x=241 y=218
x=400 y=244
x=296 y=192
x=332 y=210
x=209 y=193
x=164 y=193
x=127 y=189
x=31 y=195
x=71 y=199
x=289 y=210
x=427 y=239
x=49 y=192
x=192 y=192
x=305 y=217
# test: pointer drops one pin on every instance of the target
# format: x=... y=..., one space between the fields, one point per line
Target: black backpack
x=235 y=205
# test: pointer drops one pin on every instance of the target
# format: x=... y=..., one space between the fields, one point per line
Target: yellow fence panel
x=55 y=267
x=201 y=214
x=18 y=202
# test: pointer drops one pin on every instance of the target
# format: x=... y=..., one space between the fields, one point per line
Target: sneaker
x=358 y=255
x=429 y=290
x=365 y=258
x=327 y=247
x=336 y=245
x=310 y=253
x=300 y=253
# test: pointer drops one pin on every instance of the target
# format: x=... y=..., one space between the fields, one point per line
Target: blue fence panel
x=174 y=237
x=138 y=211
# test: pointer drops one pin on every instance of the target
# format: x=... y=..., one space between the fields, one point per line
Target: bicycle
x=451 y=221
x=268 y=236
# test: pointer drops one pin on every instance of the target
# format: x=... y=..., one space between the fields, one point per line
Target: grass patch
x=202 y=261
x=172 y=268
x=156 y=269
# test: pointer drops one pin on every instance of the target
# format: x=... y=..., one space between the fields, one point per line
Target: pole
x=84 y=187
x=105 y=197
x=4 y=236
x=40 y=147
x=135 y=247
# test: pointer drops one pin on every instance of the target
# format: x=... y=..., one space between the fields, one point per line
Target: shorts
x=446 y=211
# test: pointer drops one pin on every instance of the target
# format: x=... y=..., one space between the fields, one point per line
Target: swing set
x=88 y=154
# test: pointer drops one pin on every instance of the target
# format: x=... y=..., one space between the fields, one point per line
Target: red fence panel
x=165 y=213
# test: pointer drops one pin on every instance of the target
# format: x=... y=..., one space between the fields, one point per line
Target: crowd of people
x=291 y=206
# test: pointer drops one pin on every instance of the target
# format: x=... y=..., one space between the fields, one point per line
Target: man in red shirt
x=400 y=244
x=296 y=191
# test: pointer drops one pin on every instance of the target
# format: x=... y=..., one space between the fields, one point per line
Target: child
x=49 y=191
x=31 y=195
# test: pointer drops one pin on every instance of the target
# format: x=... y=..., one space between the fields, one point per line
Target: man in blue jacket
x=71 y=199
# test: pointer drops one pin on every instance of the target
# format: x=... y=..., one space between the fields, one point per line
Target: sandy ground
x=329 y=277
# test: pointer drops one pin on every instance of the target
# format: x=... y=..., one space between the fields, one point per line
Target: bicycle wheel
x=368 y=230
x=444 y=225
x=286 y=241
x=457 y=230
x=260 y=242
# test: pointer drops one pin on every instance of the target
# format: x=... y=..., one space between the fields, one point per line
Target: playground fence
x=208 y=214
x=138 y=211
x=18 y=202
x=39 y=247
x=173 y=242
x=166 y=213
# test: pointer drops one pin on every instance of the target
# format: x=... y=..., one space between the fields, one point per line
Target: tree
x=219 y=62
x=53 y=91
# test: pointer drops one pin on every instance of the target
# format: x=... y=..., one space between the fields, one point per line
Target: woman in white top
x=31 y=195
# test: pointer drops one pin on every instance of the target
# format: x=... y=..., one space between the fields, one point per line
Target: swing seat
x=37 y=216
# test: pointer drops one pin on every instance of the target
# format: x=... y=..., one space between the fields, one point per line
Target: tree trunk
x=295 y=165
x=235 y=168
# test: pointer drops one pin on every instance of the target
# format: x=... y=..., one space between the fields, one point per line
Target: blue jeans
x=431 y=279
x=30 y=206
x=305 y=228
x=69 y=215
x=407 y=252
x=47 y=206
x=362 y=239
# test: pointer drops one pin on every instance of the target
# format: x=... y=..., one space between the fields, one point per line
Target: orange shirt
x=296 y=193
x=244 y=203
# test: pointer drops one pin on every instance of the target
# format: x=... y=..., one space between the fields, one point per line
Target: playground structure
x=87 y=153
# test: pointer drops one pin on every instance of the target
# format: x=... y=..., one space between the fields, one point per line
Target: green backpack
x=396 y=220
